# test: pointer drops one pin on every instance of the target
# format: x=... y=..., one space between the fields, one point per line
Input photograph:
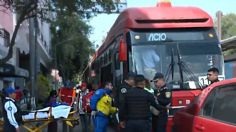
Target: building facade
x=10 y=71
x=18 y=70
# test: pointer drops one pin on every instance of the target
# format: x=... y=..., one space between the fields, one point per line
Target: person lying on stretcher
x=56 y=111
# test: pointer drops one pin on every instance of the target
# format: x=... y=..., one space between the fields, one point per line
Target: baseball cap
x=83 y=85
x=10 y=90
x=157 y=76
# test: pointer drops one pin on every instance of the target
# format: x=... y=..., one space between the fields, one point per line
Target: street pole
x=219 y=15
x=32 y=61
x=37 y=63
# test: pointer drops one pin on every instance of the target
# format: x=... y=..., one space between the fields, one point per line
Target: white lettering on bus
x=157 y=37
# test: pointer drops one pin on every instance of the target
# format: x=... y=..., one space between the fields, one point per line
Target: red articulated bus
x=180 y=42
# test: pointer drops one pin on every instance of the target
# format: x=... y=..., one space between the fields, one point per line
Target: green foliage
x=83 y=8
x=229 y=52
x=228 y=30
x=228 y=25
x=43 y=86
x=72 y=45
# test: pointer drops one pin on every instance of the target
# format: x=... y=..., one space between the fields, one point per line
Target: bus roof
x=159 y=17
x=162 y=17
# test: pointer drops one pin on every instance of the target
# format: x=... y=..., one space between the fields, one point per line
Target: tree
x=228 y=25
x=44 y=88
x=71 y=56
x=26 y=9
x=70 y=24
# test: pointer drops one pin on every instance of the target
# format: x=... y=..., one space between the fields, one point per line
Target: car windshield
x=196 y=58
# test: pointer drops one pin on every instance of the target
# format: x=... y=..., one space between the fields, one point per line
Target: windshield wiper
x=180 y=64
x=171 y=67
x=184 y=68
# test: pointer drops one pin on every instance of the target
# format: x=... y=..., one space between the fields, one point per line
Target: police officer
x=163 y=96
x=135 y=111
x=126 y=85
x=124 y=88
x=11 y=113
x=212 y=75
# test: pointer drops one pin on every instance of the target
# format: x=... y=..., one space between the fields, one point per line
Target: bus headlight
x=210 y=35
x=137 y=37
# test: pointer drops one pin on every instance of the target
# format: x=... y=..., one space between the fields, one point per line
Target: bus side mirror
x=122 y=51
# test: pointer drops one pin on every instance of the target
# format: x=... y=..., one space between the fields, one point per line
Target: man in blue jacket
x=100 y=118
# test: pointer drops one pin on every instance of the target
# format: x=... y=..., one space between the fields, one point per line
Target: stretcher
x=38 y=120
x=37 y=125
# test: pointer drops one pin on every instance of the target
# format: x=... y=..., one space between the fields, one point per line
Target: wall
x=7 y=22
x=230 y=69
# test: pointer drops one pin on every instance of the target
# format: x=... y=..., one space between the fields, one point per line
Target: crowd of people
x=136 y=106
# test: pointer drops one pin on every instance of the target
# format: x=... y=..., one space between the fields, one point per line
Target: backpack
x=67 y=95
x=98 y=94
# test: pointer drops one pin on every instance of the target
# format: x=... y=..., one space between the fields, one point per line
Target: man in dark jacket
x=163 y=96
x=212 y=75
x=135 y=111
x=126 y=85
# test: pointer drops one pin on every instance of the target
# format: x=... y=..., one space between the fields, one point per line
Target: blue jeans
x=101 y=123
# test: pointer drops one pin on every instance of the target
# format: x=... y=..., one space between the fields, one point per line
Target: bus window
x=117 y=62
x=131 y=63
x=118 y=71
x=149 y=59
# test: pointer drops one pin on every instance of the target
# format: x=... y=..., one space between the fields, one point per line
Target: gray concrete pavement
x=69 y=129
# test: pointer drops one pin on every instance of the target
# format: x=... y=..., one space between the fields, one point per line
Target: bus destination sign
x=170 y=36
x=156 y=37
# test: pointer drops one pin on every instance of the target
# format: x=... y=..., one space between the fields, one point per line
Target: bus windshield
x=196 y=57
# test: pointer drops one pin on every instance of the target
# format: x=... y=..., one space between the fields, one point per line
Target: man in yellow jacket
x=104 y=108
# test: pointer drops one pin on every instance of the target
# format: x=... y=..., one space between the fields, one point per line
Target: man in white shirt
x=11 y=113
x=82 y=107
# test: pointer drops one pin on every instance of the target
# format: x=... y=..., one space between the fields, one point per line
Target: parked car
x=214 y=110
